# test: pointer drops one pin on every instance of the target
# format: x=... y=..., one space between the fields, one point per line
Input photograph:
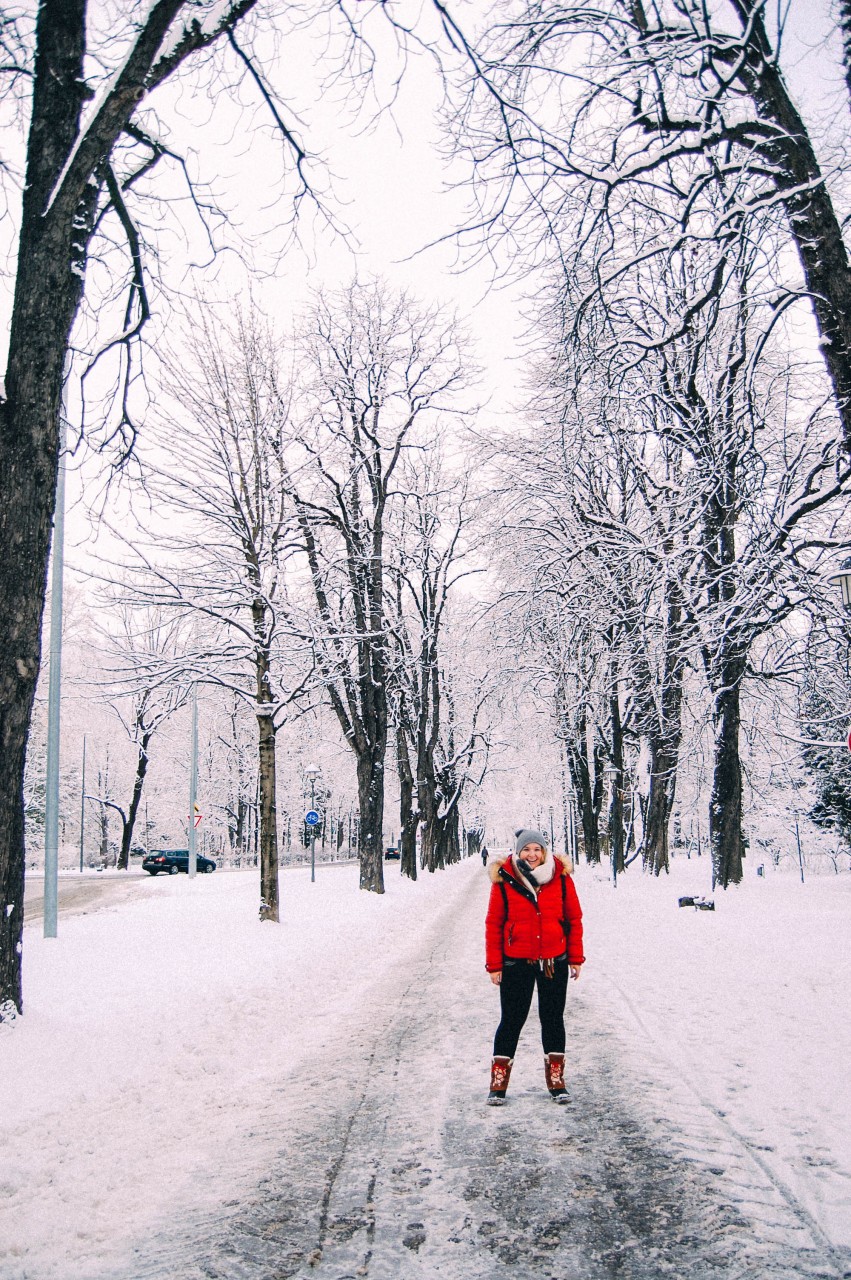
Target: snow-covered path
x=338 y=1127
x=392 y=1167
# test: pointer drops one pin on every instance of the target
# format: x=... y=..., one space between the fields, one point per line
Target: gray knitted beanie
x=524 y=836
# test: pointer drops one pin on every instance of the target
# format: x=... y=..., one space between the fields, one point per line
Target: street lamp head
x=843 y=577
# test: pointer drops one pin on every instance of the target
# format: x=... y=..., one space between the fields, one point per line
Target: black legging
x=515 y=996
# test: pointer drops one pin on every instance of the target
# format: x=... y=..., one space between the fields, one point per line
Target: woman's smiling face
x=532 y=854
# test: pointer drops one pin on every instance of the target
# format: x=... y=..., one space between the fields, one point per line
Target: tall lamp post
x=83 y=806
x=570 y=840
x=193 y=786
x=843 y=577
x=612 y=775
x=312 y=772
x=51 y=782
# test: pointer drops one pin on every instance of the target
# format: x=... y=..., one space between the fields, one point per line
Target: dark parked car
x=174 y=860
x=392 y=854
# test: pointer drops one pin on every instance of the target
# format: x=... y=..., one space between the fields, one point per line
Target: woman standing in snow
x=533 y=936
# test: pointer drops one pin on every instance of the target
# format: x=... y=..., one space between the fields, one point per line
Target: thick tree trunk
x=237 y=828
x=588 y=794
x=130 y=823
x=725 y=660
x=661 y=727
x=812 y=218
x=48 y=288
x=844 y=12
x=430 y=851
x=664 y=762
x=725 y=807
x=57 y=219
x=408 y=816
x=616 y=808
x=452 y=837
x=664 y=759
x=370 y=771
x=441 y=830
x=103 y=819
x=588 y=816
x=269 y=905
x=441 y=841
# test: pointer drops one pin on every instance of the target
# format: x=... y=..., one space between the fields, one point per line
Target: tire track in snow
x=837 y=1260
x=365 y=1145
x=335 y=1152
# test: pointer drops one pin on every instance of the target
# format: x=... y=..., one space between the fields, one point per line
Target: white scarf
x=542 y=874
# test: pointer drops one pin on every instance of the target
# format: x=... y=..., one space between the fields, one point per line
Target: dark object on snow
x=699 y=904
x=172 y=861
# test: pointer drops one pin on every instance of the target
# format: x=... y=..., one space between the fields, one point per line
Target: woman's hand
x=575 y=970
x=496 y=978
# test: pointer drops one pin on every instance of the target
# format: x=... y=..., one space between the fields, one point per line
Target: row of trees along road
x=89 y=119
x=650 y=160
x=599 y=139
x=677 y=519
x=311 y=546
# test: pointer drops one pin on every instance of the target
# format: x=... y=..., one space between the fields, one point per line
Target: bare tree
x=141 y=698
x=75 y=177
x=585 y=124
x=241 y=780
x=381 y=371
x=91 y=95
x=680 y=511
x=824 y=698
x=461 y=758
x=426 y=564
x=102 y=799
x=226 y=566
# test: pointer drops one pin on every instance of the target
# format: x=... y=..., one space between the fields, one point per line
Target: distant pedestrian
x=485 y=855
x=533 y=937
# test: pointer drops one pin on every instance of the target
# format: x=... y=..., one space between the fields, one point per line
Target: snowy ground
x=192 y=1094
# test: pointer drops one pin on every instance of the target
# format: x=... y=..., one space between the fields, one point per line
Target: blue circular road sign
x=312 y=818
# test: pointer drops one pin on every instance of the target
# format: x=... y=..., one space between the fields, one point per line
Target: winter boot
x=500 y=1075
x=554 y=1072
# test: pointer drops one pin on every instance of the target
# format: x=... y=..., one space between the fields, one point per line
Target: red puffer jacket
x=520 y=928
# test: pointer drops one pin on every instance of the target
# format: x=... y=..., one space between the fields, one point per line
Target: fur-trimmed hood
x=524 y=925
x=564 y=867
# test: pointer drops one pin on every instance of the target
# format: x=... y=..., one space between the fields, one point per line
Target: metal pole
x=613 y=776
x=312 y=833
x=51 y=799
x=193 y=782
x=83 y=806
x=574 y=844
x=800 y=853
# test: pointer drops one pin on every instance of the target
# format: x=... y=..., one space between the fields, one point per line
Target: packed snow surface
x=185 y=1079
